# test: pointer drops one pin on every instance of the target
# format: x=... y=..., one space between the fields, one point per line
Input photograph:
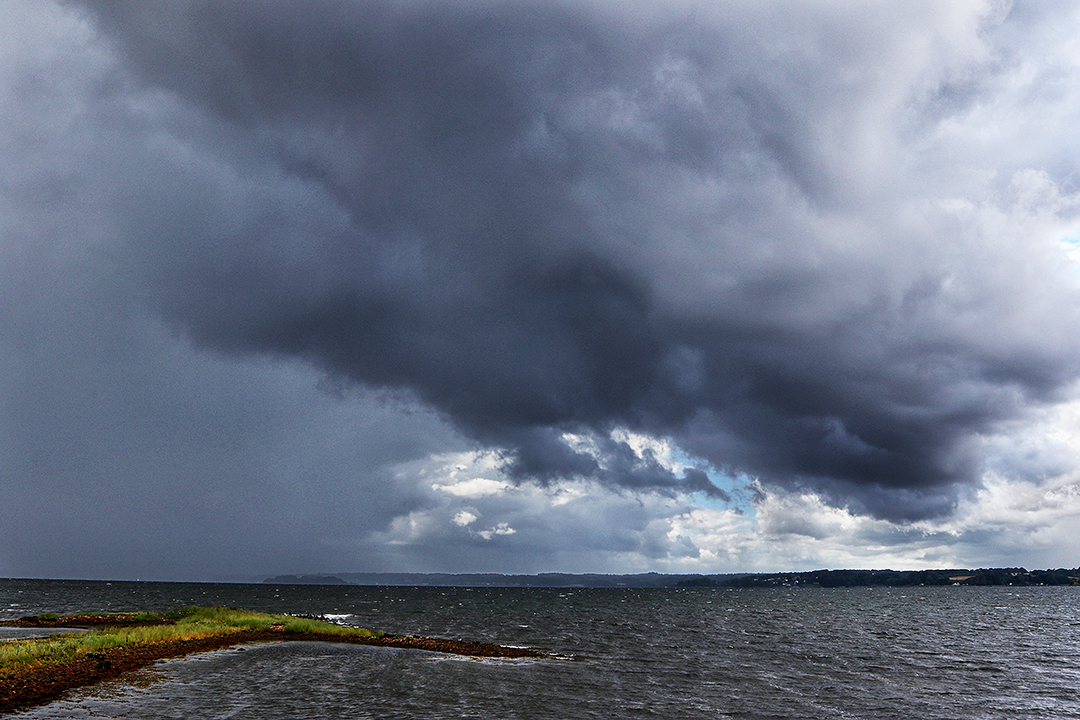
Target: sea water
x=869 y=653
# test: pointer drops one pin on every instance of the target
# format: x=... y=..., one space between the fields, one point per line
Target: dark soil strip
x=42 y=685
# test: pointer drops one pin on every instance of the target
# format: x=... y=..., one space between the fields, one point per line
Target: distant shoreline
x=814 y=578
x=985 y=577
x=818 y=578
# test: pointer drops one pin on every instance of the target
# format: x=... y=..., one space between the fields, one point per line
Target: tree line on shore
x=892 y=578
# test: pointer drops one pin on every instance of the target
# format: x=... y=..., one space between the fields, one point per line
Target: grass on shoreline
x=123 y=629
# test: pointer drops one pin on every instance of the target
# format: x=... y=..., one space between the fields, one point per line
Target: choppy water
x=867 y=653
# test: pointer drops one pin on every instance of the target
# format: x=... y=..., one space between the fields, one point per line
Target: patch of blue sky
x=739 y=487
x=1071 y=243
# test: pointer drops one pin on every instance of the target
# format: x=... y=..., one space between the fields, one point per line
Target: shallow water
x=702 y=653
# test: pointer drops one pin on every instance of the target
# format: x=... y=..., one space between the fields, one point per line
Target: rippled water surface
x=907 y=653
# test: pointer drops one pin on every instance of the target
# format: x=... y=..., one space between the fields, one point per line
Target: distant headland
x=305 y=580
x=814 y=578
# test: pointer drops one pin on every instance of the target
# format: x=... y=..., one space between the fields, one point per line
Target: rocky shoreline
x=44 y=684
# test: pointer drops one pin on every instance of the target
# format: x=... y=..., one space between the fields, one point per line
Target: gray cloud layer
x=728 y=226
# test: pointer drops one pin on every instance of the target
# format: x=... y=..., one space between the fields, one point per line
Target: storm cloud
x=537 y=286
x=550 y=220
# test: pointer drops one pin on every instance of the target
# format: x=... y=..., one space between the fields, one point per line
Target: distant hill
x=556 y=580
x=305 y=580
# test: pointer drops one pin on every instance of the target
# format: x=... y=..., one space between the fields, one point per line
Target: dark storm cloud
x=545 y=218
x=543 y=454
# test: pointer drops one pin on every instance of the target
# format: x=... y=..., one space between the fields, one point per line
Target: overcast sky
x=536 y=286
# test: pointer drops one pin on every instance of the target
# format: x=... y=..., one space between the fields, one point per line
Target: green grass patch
x=189 y=623
x=118 y=618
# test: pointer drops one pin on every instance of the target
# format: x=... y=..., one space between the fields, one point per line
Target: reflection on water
x=12 y=633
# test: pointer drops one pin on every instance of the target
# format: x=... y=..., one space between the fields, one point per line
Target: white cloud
x=500 y=529
x=415 y=527
x=477 y=487
x=464 y=518
x=582 y=526
x=661 y=450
